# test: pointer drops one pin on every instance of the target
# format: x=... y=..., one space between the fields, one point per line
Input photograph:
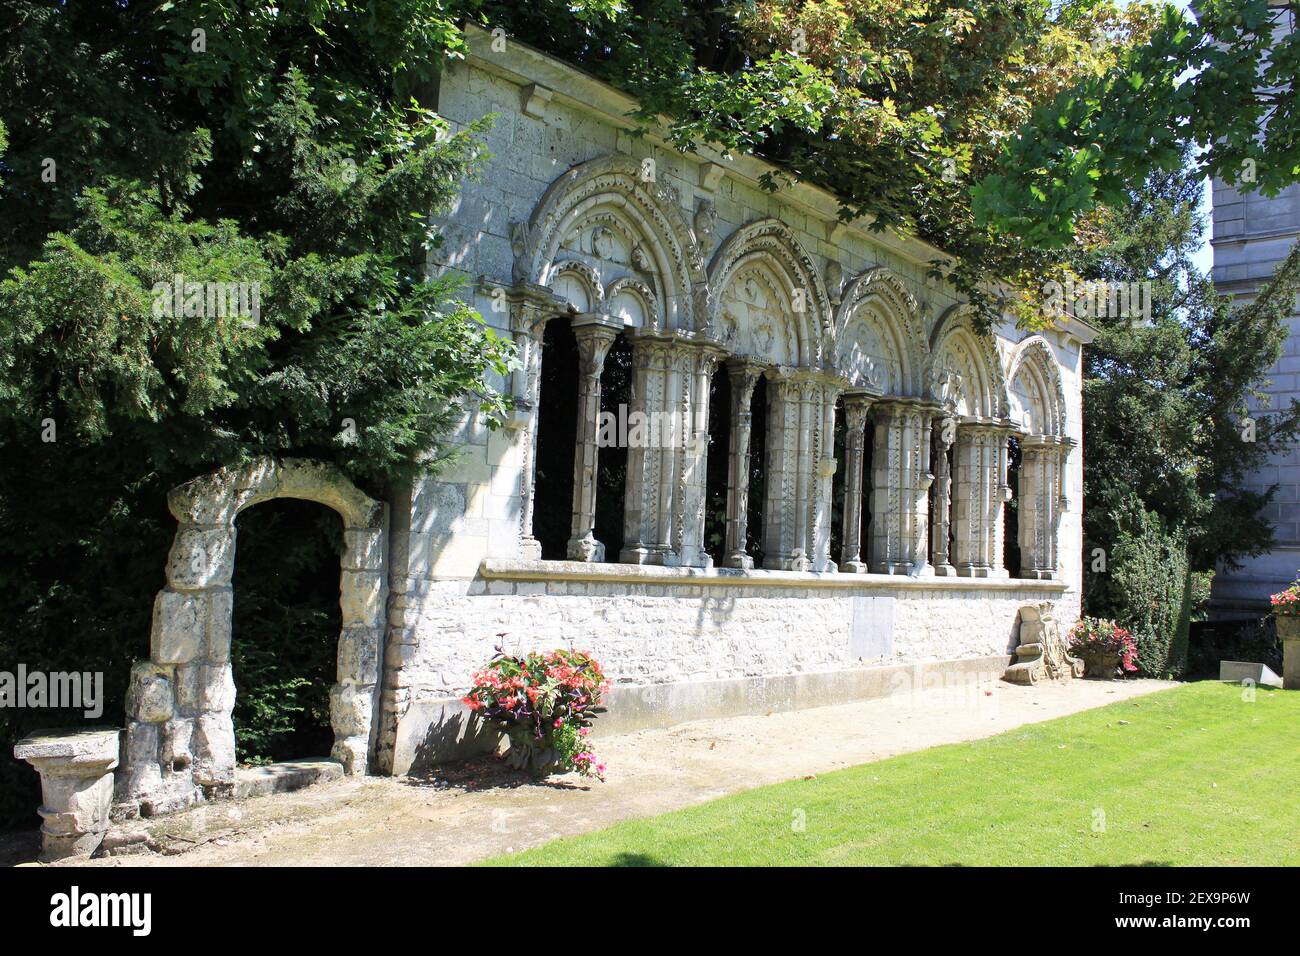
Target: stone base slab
x=284 y=777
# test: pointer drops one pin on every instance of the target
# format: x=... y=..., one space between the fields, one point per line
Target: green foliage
x=292 y=150
x=1146 y=587
x=1221 y=84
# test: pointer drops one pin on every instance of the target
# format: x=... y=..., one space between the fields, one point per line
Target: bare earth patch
x=461 y=814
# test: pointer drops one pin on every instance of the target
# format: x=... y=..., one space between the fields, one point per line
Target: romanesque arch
x=1036 y=394
x=879 y=343
x=1038 y=408
x=964 y=370
x=606 y=237
x=768 y=301
x=180 y=737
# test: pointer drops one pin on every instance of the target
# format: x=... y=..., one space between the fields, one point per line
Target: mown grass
x=1195 y=775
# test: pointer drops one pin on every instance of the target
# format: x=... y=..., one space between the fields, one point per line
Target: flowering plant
x=1287 y=603
x=545 y=703
x=1099 y=638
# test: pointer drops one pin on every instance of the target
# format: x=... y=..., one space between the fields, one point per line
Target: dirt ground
x=458 y=815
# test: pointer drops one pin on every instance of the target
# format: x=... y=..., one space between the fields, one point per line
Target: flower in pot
x=545 y=704
x=1106 y=649
x=1286 y=612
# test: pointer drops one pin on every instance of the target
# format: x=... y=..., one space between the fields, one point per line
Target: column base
x=945 y=571
x=974 y=571
x=1037 y=575
x=530 y=549
x=853 y=567
x=586 y=548
x=740 y=561
x=649 y=555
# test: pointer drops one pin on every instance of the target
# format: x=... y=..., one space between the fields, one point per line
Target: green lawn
x=1190 y=776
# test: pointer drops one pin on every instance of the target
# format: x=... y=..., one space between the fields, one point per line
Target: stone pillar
x=787 y=504
x=594 y=340
x=700 y=360
x=944 y=433
x=823 y=490
x=527 y=322
x=981 y=491
x=900 y=488
x=650 y=468
x=856 y=408
x=744 y=377
x=1042 y=461
x=76 y=788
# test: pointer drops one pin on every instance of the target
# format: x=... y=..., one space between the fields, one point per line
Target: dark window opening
x=611 y=472
x=557 y=436
x=757 y=473
x=716 y=470
x=840 y=451
x=1011 y=523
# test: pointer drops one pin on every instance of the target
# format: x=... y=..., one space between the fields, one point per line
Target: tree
x=1219 y=88
x=157 y=148
x=1169 y=435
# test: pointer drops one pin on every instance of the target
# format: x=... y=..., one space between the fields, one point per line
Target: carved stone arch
x=1035 y=390
x=180 y=736
x=959 y=351
x=768 y=248
x=878 y=313
x=583 y=289
x=653 y=242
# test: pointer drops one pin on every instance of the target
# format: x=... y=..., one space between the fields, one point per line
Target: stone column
x=76 y=788
x=900 y=488
x=785 y=510
x=856 y=408
x=594 y=340
x=944 y=433
x=823 y=490
x=700 y=360
x=981 y=491
x=744 y=377
x=528 y=322
x=647 y=469
x=999 y=496
x=1040 y=504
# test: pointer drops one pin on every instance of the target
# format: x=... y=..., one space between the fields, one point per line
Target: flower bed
x=545 y=703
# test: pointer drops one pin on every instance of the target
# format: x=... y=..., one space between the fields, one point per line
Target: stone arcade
x=864 y=408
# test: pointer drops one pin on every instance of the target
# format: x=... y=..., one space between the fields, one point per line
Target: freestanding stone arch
x=180 y=743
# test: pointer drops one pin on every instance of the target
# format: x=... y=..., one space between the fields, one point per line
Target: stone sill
x=511 y=569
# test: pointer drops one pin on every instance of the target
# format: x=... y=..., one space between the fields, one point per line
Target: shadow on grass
x=637 y=859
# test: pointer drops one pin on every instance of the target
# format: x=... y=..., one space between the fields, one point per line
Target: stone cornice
x=511 y=569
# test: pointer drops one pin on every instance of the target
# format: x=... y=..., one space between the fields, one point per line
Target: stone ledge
x=519 y=570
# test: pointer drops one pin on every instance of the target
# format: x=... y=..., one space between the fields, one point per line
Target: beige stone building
x=820 y=512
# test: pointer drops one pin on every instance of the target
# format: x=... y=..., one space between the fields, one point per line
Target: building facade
x=816 y=512
x=1252 y=236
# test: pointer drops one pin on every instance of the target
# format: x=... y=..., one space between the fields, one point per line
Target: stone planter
x=1100 y=665
x=1288 y=631
x=76 y=787
x=525 y=754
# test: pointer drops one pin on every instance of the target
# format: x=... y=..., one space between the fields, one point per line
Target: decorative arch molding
x=963 y=366
x=878 y=323
x=180 y=734
x=768 y=248
x=645 y=237
x=1035 y=388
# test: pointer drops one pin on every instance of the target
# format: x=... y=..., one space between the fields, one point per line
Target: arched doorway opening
x=1011 y=515
x=285 y=630
x=611 y=469
x=717 y=466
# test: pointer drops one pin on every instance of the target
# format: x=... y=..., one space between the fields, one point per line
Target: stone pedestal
x=76 y=787
x=1288 y=629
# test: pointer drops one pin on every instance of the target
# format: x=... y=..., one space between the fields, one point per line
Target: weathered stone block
x=358 y=661
x=176 y=741
x=221 y=607
x=364 y=550
x=141 y=742
x=180 y=620
x=201 y=558
x=214 y=750
x=351 y=752
x=350 y=709
x=216 y=688
x=150 y=696
x=361 y=597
